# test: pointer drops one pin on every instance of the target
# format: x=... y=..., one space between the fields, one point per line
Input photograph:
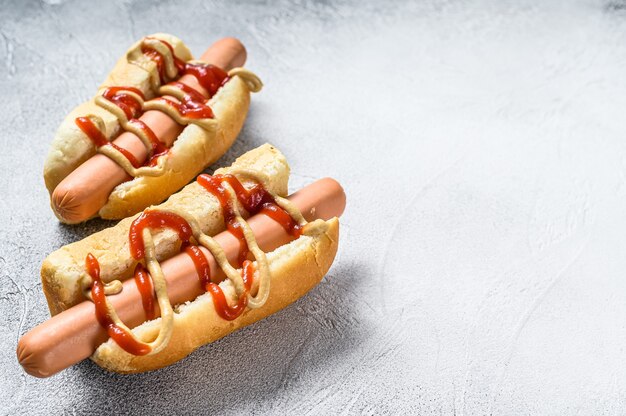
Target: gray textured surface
x=482 y=146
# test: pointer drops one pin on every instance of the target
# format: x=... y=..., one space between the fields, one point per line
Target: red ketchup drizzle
x=122 y=337
x=209 y=76
x=188 y=107
x=219 y=300
x=90 y=129
x=128 y=155
x=158 y=148
x=282 y=217
x=192 y=105
x=192 y=93
x=213 y=184
x=255 y=200
x=159 y=60
x=201 y=264
x=223 y=309
x=133 y=109
x=152 y=220
x=156 y=220
x=98 y=139
x=126 y=102
x=144 y=284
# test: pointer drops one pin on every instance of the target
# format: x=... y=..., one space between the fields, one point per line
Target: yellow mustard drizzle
x=160 y=288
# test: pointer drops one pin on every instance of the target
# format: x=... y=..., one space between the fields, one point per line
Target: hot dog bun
x=194 y=149
x=62 y=270
x=295 y=269
x=70 y=146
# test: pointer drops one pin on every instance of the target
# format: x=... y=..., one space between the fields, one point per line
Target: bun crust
x=63 y=269
x=295 y=269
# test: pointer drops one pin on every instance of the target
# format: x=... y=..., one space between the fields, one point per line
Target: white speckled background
x=482 y=145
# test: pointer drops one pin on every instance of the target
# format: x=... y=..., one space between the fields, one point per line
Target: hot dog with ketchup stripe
x=294 y=268
x=154 y=108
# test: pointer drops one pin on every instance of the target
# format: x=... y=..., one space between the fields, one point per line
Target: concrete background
x=482 y=146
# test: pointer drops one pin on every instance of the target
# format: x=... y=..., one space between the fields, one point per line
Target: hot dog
x=295 y=267
x=84 y=184
x=75 y=334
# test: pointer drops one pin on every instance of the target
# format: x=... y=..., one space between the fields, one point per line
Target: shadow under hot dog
x=249 y=369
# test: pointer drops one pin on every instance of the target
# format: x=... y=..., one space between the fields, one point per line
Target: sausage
x=83 y=192
x=75 y=334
